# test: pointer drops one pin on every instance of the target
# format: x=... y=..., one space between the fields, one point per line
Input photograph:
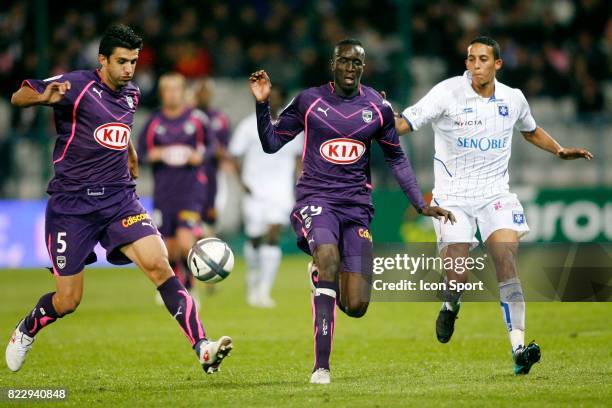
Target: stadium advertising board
x=553 y=215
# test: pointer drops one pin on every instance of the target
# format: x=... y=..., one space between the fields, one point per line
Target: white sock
x=269 y=258
x=253 y=275
x=517 y=338
x=512 y=304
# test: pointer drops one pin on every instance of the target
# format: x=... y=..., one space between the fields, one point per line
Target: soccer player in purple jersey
x=220 y=127
x=93 y=197
x=175 y=141
x=333 y=202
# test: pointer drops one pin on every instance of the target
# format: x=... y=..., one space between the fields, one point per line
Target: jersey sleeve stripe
x=379 y=114
x=27 y=83
x=74 y=122
x=389 y=143
x=282 y=132
x=306 y=126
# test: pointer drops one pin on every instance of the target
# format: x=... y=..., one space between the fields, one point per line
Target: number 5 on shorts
x=61 y=242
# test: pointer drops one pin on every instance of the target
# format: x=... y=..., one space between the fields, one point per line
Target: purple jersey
x=219 y=125
x=337 y=139
x=177 y=185
x=93 y=125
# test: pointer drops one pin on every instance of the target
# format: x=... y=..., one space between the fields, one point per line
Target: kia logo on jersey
x=342 y=150
x=113 y=136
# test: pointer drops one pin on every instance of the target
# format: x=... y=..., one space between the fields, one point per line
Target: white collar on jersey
x=471 y=93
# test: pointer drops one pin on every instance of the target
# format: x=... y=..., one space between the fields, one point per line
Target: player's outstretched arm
x=540 y=138
x=401 y=125
x=54 y=92
x=273 y=136
x=401 y=168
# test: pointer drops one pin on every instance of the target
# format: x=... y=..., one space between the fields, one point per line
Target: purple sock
x=324 y=317
x=181 y=306
x=43 y=314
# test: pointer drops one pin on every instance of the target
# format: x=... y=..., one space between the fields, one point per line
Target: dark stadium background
x=558 y=52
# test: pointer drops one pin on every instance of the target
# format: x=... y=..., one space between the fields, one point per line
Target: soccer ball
x=210 y=260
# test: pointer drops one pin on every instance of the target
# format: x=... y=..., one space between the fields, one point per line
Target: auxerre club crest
x=502 y=108
x=366 y=115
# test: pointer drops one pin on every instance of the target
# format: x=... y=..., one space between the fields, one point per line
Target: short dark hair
x=348 y=41
x=483 y=39
x=119 y=35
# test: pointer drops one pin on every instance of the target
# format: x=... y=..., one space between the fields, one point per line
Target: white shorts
x=260 y=213
x=503 y=211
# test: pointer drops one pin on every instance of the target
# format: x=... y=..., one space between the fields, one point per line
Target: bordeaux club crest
x=366 y=115
x=60 y=260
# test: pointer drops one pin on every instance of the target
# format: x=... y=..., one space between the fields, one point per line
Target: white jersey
x=270 y=176
x=473 y=135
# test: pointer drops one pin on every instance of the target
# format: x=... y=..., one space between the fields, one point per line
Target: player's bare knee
x=157 y=268
x=356 y=308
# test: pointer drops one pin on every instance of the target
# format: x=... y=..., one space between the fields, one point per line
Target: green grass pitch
x=120 y=349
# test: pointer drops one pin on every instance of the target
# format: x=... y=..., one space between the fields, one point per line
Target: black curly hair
x=119 y=35
x=485 y=40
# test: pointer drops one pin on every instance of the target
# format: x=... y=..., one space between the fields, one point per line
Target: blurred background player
x=93 y=195
x=473 y=117
x=268 y=182
x=220 y=129
x=175 y=141
x=334 y=207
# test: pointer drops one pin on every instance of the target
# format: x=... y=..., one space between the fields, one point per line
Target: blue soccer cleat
x=526 y=356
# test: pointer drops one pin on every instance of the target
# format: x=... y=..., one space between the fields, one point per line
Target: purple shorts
x=72 y=237
x=168 y=217
x=344 y=226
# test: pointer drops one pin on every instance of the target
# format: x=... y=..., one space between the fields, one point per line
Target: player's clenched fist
x=55 y=92
x=260 y=85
